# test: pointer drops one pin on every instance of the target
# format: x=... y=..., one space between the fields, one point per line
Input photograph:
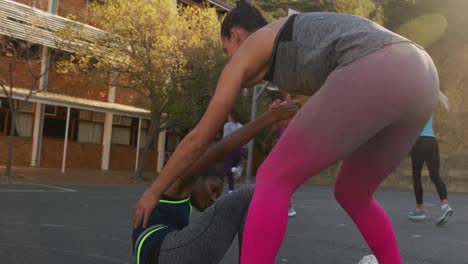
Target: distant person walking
x=426 y=150
x=232 y=161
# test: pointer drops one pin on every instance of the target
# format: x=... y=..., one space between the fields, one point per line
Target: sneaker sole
x=417 y=218
x=443 y=220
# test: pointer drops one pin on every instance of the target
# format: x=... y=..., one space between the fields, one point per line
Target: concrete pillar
x=65 y=141
x=37 y=135
x=138 y=144
x=107 y=133
x=43 y=82
x=161 y=149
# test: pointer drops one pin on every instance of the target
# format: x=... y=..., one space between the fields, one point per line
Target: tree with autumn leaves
x=168 y=54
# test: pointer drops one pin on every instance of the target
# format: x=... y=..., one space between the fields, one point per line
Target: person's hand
x=142 y=210
x=286 y=109
x=245 y=152
x=275 y=104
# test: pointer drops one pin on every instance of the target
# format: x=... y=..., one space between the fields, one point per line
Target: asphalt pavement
x=74 y=224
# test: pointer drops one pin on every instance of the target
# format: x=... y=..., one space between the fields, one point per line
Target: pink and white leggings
x=367 y=114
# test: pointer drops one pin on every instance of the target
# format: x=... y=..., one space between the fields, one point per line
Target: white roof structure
x=24 y=22
x=77 y=102
x=34 y=25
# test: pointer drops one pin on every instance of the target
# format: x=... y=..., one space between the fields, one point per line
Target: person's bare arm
x=247 y=66
x=274 y=105
x=183 y=186
x=269 y=136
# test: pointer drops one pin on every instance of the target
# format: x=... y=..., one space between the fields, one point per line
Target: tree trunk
x=10 y=142
x=153 y=132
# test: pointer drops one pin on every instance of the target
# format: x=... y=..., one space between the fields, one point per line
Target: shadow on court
x=74 y=224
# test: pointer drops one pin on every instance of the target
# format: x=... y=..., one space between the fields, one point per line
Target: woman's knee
x=351 y=198
x=436 y=179
x=266 y=174
x=341 y=194
x=274 y=179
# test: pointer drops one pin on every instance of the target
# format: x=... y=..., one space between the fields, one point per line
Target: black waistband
x=285 y=34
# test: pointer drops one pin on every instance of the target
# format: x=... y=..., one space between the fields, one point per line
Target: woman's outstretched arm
x=247 y=66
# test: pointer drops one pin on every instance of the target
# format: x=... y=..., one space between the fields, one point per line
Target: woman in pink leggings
x=372 y=91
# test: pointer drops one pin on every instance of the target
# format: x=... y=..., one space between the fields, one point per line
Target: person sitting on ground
x=165 y=236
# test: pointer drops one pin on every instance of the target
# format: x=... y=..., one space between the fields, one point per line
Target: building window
x=85 y=115
x=26 y=107
x=54 y=127
x=145 y=125
x=24 y=118
x=24 y=124
x=99 y=117
x=54 y=123
x=90 y=127
x=125 y=131
x=89 y=132
x=3 y=115
x=116 y=120
x=51 y=110
x=121 y=130
x=3 y=119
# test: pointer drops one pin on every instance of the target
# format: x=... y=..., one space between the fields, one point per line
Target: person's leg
x=433 y=165
x=231 y=182
x=236 y=159
x=291 y=211
x=349 y=110
x=227 y=170
x=207 y=238
x=360 y=175
x=417 y=162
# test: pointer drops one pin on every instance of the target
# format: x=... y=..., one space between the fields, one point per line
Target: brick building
x=103 y=128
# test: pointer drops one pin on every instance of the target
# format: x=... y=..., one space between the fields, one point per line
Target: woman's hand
x=275 y=104
x=142 y=210
x=285 y=110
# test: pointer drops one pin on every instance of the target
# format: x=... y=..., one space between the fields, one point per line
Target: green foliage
x=278 y=8
x=172 y=57
x=168 y=54
x=362 y=8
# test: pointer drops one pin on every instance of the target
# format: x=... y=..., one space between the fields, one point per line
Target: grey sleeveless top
x=310 y=46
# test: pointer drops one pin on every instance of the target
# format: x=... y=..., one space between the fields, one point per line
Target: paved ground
x=48 y=224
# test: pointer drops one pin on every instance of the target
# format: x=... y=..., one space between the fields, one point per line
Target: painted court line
x=26 y=191
x=55 y=189
x=453 y=240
